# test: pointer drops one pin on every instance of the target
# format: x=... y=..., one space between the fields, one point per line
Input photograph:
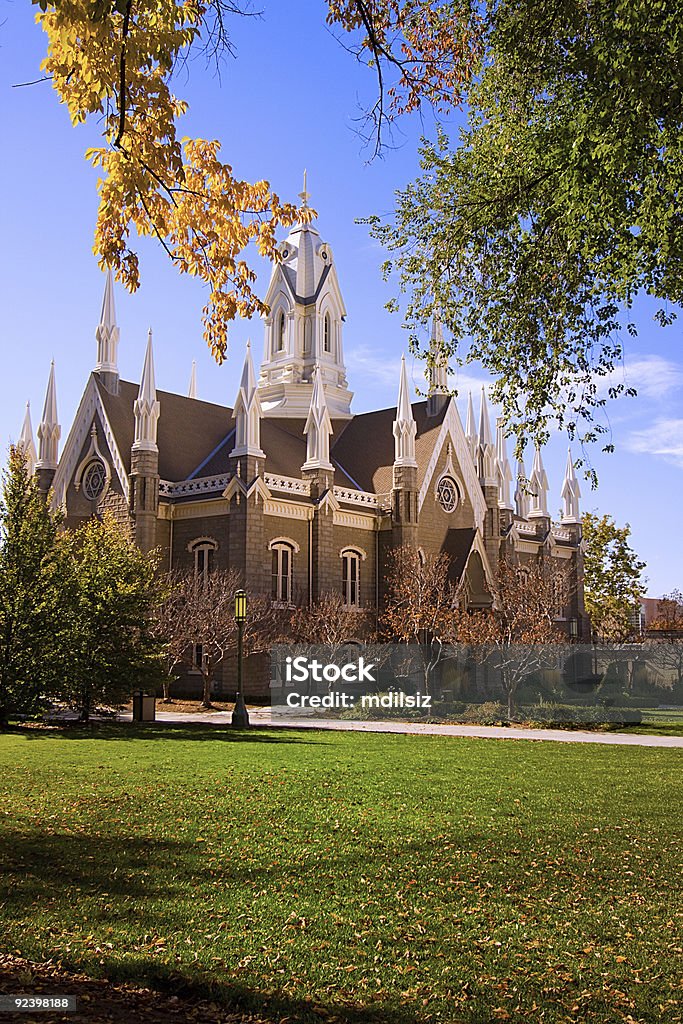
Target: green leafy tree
x=108 y=595
x=27 y=537
x=614 y=585
x=560 y=202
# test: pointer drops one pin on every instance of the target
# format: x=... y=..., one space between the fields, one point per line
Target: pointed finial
x=405 y=427
x=503 y=466
x=108 y=314
x=192 y=390
x=539 y=486
x=248 y=412
x=49 y=431
x=470 y=431
x=26 y=441
x=571 y=493
x=522 y=491
x=304 y=195
x=146 y=406
x=318 y=429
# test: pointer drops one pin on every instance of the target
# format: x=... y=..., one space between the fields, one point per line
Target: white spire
x=304 y=195
x=26 y=441
x=438 y=371
x=503 y=467
x=487 y=452
x=522 y=495
x=318 y=428
x=248 y=412
x=146 y=407
x=49 y=430
x=470 y=432
x=405 y=427
x=538 y=483
x=570 y=493
x=192 y=390
x=107 y=332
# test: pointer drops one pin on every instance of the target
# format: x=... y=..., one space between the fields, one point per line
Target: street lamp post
x=240 y=715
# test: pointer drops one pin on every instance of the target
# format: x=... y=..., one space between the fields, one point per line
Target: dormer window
x=327 y=333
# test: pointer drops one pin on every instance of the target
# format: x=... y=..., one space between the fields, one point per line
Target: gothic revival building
x=290 y=486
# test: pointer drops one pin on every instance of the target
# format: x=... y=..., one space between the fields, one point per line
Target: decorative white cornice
x=355 y=520
x=288 y=509
x=451 y=428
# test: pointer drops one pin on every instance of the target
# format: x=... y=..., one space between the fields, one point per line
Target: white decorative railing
x=353 y=497
x=528 y=528
x=202 y=485
x=278 y=482
x=561 y=533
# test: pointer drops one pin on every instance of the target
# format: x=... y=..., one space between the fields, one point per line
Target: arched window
x=327 y=333
x=351 y=577
x=282 y=572
x=280 y=336
x=204 y=551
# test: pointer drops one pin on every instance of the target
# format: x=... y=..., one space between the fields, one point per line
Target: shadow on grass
x=159 y=731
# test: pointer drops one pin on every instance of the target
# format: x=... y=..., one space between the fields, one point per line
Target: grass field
x=350 y=877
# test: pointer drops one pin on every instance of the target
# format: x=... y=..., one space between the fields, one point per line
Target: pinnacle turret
x=146 y=406
x=503 y=467
x=486 y=449
x=571 y=493
x=522 y=492
x=538 y=483
x=470 y=430
x=438 y=370
x=49 y=430
x=107 y=335
x=26 y=441
x=248 y=412
x=405 y=427
x=192 y=389
x=318 y=429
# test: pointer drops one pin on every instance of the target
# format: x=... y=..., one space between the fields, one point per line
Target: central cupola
x=304 y=328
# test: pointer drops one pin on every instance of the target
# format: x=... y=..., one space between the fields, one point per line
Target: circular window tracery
x=447 y=494
x=94 y=480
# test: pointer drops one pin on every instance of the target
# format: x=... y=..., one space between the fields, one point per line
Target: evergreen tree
x=109 y=592
x=27 y=542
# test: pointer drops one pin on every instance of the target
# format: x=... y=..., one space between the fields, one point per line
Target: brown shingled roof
x=188 y=430
x=365 y=449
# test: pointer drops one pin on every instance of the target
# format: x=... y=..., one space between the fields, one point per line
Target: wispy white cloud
x=363 y=362
x=652 y=376
x=664 y=439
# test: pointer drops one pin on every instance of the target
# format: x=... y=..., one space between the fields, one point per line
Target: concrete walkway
x=262 y=717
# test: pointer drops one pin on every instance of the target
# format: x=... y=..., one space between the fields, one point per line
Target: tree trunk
x=167 y=690
x=206 y=696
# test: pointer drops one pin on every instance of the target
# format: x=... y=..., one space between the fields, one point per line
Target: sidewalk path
x=262 y=717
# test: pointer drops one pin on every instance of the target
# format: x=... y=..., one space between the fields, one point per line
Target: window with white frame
x=351 y=577
x=204 y=551
x=327 y=333
x=282 y=572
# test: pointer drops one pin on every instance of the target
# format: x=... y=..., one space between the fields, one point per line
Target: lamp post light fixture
x=240 y=715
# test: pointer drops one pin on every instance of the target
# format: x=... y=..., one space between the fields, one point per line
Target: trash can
x=144 y=707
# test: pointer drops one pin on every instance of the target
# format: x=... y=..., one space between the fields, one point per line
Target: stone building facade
x=290 y=486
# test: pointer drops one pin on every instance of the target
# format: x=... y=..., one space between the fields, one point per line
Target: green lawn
x=350 y=877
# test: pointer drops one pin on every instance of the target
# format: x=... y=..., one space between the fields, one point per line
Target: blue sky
x=289 y=101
